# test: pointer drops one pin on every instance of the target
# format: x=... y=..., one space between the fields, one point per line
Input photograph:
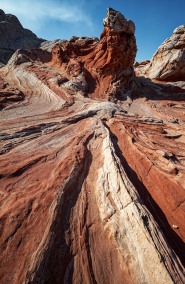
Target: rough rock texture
x=13 y=36
x=49 y=44
x=168 y=63
x=106 y=65
x=91 y=191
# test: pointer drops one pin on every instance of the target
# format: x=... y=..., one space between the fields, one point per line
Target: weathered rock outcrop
x=13 y=36
x=107 y=65
x=91 y=191
x=168 y=63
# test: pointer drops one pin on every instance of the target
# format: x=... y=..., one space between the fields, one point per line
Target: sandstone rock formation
x=168 y=63
x=92 y=191
x=107 y=65
x=13 y=36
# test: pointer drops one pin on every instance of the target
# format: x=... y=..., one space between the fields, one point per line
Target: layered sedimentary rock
x=168 y=63
x=92 y=191
x=106 y=64
x=13 y=36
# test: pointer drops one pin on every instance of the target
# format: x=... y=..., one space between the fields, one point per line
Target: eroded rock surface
x=92 y=191
x=168 y=63
x=13 y=36
x=106 y=64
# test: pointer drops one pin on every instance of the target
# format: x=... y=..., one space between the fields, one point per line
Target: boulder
x=168 y=63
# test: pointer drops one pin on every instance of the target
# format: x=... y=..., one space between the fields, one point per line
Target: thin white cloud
x=34 y=14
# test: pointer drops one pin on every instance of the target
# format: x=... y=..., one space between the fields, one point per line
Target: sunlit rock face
x=107 y=64
x=91 y=190
x=168 y=63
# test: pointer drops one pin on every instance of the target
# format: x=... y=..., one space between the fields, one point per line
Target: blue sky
x=155 y=20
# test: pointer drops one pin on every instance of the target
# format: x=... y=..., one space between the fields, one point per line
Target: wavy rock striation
x=105 y=67
x=92 y=191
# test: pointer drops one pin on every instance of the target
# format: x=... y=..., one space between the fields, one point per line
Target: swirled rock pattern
x=92 y=191
x=107 y=65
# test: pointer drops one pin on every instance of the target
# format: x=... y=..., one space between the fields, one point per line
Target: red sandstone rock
x=91 y=191
x=107 y=64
